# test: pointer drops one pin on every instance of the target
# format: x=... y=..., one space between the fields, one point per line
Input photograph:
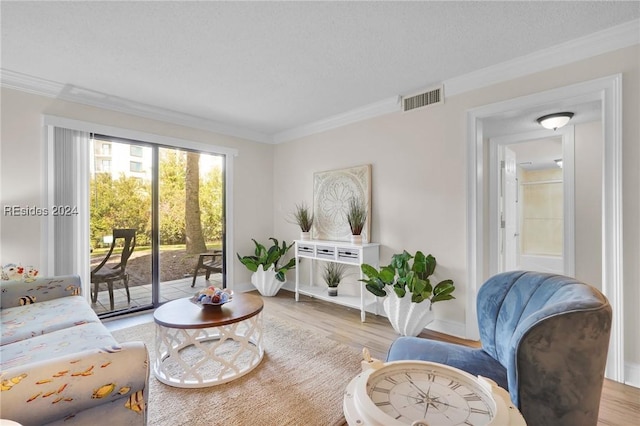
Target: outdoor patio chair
x=109 y=274
x=211 y=262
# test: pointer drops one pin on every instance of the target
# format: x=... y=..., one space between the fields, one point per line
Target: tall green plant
x=356 y=215
x=404 y=276
x=267 y=257
x=303 y=217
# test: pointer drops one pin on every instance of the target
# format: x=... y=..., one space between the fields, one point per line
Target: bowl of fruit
x=211 y=297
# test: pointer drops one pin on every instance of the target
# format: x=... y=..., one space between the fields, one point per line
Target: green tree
x=211 y=204
x=193 y=225
x=172 y=172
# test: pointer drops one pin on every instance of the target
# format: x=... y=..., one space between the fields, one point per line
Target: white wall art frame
x=332 y=191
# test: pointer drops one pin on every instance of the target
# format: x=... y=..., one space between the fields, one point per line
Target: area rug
x=300 y=381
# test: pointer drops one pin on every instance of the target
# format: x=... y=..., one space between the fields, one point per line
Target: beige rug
x=300 y=381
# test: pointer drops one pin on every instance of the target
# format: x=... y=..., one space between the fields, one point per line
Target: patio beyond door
x=173 y=199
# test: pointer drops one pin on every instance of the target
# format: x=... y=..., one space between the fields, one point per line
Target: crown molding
x=38 y=86
x=600 y=42
x=375 y=109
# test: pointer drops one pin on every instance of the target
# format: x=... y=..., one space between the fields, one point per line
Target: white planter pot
x=332 y=291
x=356 y=239
x=305 y=236
x=406 y=318
x=266 y=282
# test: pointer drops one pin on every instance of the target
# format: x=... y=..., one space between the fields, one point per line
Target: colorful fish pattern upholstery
x=59 y=364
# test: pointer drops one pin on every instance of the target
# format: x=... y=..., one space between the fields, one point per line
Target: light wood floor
x=620 y=404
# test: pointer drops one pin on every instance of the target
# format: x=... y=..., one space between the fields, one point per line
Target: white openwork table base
x=200 y=357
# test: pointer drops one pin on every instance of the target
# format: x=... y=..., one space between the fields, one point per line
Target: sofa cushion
x=56 y=343
x=24 y=322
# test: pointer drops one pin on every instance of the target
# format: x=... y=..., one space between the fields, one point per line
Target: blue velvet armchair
x=544 y=339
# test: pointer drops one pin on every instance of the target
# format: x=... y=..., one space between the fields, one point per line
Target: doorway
x=531 y=199
x=608 y=92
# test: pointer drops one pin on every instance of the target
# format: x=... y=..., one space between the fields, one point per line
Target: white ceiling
x=269 y=67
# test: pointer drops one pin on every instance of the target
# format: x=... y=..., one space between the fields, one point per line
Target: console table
x=339 y=252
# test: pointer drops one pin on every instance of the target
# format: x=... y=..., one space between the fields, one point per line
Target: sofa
x=60 y=365
x=545 y=339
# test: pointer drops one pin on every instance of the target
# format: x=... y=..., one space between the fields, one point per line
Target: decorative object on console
x=332 y=274
x=332 y=191
x=304 y=219
x=407 y=290
x=357 y=218
x=267 y=276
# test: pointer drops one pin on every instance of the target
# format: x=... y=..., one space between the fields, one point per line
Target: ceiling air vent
x=421 y=100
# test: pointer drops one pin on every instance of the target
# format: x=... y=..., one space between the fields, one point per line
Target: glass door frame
x=141 y=138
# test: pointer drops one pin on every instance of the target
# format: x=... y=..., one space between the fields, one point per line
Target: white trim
x=85 y=126
x=38 y=86
x=452 y=328
x=382 y=107
x=598 y=43
x=608 y=90
x=568 y=142
x=632 y=374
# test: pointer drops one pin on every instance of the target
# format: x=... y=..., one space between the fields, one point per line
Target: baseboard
x=451 y=328
x=632 y=374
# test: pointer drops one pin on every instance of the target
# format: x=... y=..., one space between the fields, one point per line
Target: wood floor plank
x=619 y=405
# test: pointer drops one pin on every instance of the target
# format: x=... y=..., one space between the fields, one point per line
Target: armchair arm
x=59 y=388
x=16 y=293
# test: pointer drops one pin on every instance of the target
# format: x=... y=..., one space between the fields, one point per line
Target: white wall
x=419 y=174
x=22 y=180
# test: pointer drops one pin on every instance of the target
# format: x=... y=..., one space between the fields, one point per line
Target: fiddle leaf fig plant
x=268 y=257
x=404 y=276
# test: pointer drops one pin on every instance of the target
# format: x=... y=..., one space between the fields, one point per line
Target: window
x=135 y=166
x=105 y=149
x=135 y=151
x=105 y=166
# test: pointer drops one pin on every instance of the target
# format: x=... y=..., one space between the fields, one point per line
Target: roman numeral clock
x=421 y=393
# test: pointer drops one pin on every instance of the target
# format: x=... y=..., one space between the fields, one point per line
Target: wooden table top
x=182 y=313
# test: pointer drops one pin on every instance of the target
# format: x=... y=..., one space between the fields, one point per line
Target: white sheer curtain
x=68 y=189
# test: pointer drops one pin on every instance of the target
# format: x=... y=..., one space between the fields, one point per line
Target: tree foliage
x=125 y=202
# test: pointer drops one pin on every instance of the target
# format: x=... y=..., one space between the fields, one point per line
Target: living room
x=423 y=178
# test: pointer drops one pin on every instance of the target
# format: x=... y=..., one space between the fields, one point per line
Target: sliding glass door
x=172 y=201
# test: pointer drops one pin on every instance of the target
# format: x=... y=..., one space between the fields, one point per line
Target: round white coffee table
x=198 y=347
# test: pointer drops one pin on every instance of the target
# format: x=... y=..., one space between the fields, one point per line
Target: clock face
x=412 y=392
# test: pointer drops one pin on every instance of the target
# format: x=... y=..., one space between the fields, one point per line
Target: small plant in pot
x=303 y=217
x=332 y=274
x=356 y=216
x=268 y=277
x=408 y=292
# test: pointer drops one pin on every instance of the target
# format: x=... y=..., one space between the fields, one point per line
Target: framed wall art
x=332 y=192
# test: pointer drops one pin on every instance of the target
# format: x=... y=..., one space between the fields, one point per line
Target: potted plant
x=332 y=274
x=356 y=216
x=304 y=219
x=268 y=277
x=408 y=292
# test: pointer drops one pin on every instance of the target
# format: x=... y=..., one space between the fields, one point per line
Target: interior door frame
x=567 y=134
x=607 y=90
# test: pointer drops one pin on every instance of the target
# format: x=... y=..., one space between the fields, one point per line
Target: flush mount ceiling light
x=555 y=121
